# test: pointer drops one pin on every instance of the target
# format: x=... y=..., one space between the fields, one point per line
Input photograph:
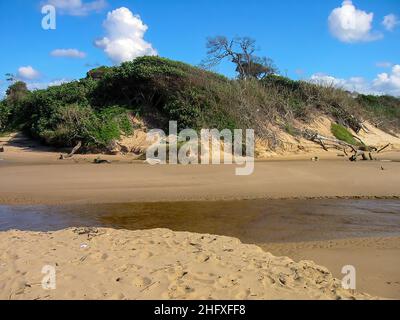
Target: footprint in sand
x=227 y=281
x=140 y=282
x=143 y=255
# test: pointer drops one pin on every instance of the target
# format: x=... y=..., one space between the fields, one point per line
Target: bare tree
x=241 y=52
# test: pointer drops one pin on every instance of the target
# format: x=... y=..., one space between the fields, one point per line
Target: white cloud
x=357 y=84
x=350 y=24
x=124 y=40
x=389 y=82
x=384 y=83
x=390 y=22
x=44 y=85
x=78 y=7
x=28 y=73
x=68 y=53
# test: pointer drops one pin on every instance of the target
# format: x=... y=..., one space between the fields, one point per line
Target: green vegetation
x=343 y=134
x=98 y=109
x=5 y=112
x=160 y=89
x=384 y=110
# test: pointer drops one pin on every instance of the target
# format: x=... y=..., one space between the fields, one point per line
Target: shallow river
x=253 y=221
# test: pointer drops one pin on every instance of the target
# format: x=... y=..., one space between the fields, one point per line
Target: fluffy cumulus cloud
x=28 y=73
x=78 y=7
x=350 y=24
x=124 y=39
x=390 y=22
x=389 y=82
x=384 y=83
x=44 y=85
x=68 y=53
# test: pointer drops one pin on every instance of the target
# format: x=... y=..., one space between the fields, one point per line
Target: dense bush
x=73 y=123
x=62 y=115
x=160 y=90
x=5 y=113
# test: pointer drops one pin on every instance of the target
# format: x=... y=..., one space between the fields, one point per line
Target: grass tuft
x=343 y=134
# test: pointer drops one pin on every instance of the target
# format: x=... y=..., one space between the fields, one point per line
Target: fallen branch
x=384 y=148
x=320 y=139
x=74 y=150
x=364 y=151
x=357 y=138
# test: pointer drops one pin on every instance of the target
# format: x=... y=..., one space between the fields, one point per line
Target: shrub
x=384 y=111
x=5 y=113
x=73 y=123
x=16 y=93
x=98 y=73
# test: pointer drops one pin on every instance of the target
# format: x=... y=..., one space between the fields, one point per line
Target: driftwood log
x=71 y=154
x=101 y=161
x=358 y=151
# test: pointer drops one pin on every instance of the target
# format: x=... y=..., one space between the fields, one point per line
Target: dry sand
x=376 y=260
x=155 y=264
x=29 y=178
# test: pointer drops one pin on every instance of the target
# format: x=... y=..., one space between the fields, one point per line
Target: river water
x=252 y=221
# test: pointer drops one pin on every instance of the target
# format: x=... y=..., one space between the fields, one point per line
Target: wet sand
x=120 y=183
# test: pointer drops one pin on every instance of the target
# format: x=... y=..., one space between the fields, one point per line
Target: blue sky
x=342 y=42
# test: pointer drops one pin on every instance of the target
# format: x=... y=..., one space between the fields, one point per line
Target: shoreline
x=62 y=203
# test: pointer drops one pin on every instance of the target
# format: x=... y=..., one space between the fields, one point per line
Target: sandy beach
x=30 y=176
x=376 y=260
x=33 y=174
x=155 y=264
x=84 y=182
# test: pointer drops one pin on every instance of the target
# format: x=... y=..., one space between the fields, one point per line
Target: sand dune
x=155 y=264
